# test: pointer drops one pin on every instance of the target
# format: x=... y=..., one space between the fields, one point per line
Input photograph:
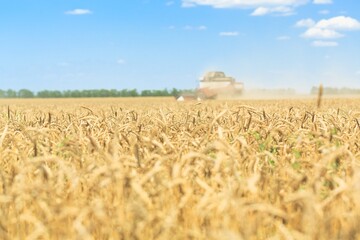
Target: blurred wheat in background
x=155 y=169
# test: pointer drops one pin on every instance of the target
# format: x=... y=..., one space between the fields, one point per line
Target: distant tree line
x=336 y=91
x=25 y=93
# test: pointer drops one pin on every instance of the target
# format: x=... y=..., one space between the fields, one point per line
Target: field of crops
x=159 y=169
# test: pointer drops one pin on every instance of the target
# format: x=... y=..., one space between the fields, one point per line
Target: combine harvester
x=215 y=85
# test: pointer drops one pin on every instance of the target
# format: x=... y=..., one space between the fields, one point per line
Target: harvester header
x=215 y=84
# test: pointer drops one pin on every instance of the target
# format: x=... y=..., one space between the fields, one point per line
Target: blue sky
x=156 y=44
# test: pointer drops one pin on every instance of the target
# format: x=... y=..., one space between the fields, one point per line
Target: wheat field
x=153 y=168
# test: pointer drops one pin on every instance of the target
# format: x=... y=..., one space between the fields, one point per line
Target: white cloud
x=242 y=3
x=78 y=12
x=305 y=23
x=199 y=28
x=188 y=4
x=322 y=1
x=261 y=7
x=358 y=72
x=283 y=38
x=260 y=11
x=339 y=23
x=324 y=12
x=320 y=33
x=169 y=3
x=120 y=61
x=281 y=10
x=229 y=34
x=324 y=44
x=202 y=28
x=328 y=28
